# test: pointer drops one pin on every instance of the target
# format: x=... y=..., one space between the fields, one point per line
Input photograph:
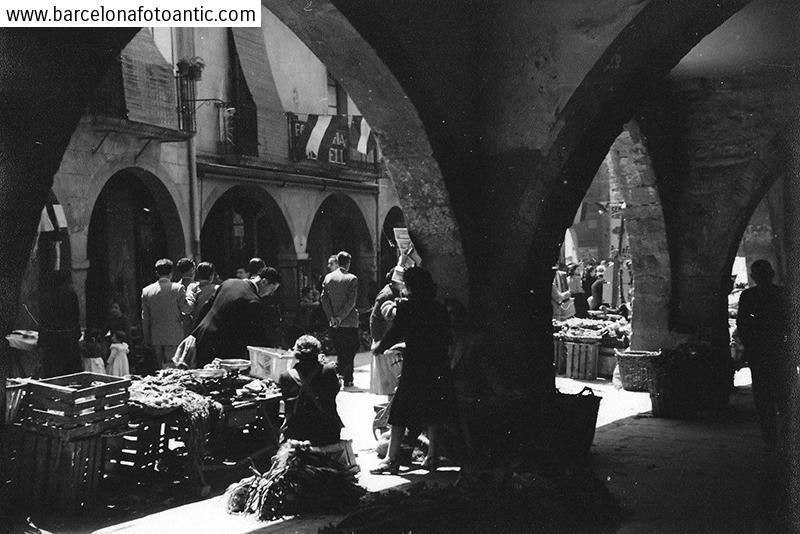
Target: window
x=337 y=98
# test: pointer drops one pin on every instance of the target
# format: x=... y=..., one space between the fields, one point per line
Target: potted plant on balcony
x=192 y=68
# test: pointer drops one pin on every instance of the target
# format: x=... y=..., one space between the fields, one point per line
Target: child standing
x=92 y=352
x=117 y=364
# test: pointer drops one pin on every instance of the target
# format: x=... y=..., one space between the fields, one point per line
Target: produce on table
x=299 y=481
x=613 y=333
x=178 y=388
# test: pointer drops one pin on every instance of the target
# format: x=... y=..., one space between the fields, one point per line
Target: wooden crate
x=58 y=474
x=140 y=446
x=582 y=360
x=559 y=355
x=77 y=405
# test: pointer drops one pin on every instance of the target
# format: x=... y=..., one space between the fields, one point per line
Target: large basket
x=673 y=394
x=577 y=421
x=635 y=368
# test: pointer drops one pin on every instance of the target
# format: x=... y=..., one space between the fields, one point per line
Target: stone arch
x=401 y=134
x=634 y=177
x=763 y=172
x=122 y=248
x=339 y=225
x=394 y=219
x=165 y=191
x=244 y=221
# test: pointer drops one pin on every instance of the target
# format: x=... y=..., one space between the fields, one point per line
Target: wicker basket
x=635 y=368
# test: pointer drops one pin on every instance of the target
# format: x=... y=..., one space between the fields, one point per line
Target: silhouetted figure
x=761 y=324
x=60 y=328
x=422 y=392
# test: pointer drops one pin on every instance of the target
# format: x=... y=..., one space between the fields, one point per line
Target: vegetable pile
x=169 y=390
x=612 y=333
x=299 y=481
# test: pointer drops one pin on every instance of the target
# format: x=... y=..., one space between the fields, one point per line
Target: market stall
x=180 y=418
x=66 y=433
x=584 y=348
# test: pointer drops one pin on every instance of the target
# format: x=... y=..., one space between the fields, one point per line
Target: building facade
x=195 y=145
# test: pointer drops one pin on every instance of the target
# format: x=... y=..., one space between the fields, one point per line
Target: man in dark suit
x=235 y=318
x=338 y=300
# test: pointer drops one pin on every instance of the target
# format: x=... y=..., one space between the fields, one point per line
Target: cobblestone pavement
x=707 y=475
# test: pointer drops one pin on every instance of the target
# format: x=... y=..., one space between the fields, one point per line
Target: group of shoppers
x=581 y=287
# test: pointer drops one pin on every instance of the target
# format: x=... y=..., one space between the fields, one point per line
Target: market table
x=152 y=439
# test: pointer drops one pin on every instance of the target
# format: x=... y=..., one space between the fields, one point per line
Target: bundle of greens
x=300 y=481
x=496 y=501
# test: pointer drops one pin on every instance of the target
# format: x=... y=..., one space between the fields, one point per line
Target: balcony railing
x=335 y=148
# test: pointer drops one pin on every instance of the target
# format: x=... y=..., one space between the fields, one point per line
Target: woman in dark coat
x=309 y=392
x=421 y=394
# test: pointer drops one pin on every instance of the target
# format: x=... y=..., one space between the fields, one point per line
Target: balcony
x=335 y=151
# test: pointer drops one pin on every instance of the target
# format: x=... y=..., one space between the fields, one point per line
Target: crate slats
x=581 y=360
x=78 y=405
x=58 y=387
x=58 y=474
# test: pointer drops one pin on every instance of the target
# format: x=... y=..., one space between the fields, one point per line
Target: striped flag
x=361 y=136
x=316 y=128
x=319 y=133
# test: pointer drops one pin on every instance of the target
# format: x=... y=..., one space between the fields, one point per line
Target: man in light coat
x=163 y=304
x=338 y=301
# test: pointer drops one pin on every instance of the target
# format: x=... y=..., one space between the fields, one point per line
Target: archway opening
x=236 y=229
x=339 y=225
x=133 y=224
x=246 y=222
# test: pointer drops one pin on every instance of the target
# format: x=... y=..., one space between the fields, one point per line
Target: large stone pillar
x=644 y=224
x=789 y=451
x=45 y=82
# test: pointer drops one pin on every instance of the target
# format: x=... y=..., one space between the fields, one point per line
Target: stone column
x=644 y=224
x=789 y=451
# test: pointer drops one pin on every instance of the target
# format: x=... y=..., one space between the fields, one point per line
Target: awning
x=52 y=218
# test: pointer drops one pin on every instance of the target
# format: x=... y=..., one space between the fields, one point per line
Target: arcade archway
x=339 y=225
x=134 y=223
x=246 y=222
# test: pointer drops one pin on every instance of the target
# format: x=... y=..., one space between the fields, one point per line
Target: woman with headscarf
x=309 y=392
x=422 y=390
